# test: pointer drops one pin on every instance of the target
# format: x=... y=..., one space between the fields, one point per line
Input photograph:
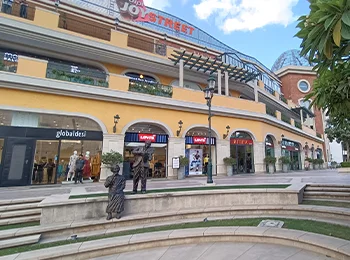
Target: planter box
x=181 y=173
x=285 y=167
x=229 y=170
x=271 y=168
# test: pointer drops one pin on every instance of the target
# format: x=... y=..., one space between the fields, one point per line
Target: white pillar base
x=176 y=147
x=223 y=151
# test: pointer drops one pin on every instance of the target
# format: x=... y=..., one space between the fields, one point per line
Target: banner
x=196 y=162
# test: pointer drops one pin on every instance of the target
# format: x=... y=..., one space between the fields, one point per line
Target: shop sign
x=147 y=137
x=199 y=140
x=176 y=163
x=70 y=134
x=238 y=141
x=139 y=13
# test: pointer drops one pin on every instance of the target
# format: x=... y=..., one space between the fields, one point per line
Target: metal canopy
x=238 y=70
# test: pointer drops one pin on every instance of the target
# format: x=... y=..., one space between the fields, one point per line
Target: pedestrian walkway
x=218 y=251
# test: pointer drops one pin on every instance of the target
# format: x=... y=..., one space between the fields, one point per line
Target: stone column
x=181 y=73
x=176 y=147
x=226 y=84
x=111 y=142
x=256 y=93
x=278 y=154
x=222 y=151
x=302 y=157
x=219 y=82
x=259 y=154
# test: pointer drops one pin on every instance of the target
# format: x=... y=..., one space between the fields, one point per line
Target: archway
x=269 y=148
x=242 y=150
x=292 y=150
x=135 y=136
x=197 y=150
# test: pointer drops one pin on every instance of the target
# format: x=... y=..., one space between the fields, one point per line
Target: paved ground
x=224 y=251
x=322 y=177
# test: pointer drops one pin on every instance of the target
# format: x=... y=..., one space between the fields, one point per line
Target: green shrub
x=284 y=160
x=184 y=161
x=270 y=160
x=345 y=164
x=229 y=161
x=112 y=158
x=309 y=160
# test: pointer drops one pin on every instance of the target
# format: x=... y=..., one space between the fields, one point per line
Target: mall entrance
x=241 y=149
x=292 y=150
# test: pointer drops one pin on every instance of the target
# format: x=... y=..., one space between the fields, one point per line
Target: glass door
x=2 y=147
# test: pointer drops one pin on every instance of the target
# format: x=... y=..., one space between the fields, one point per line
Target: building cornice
x=24 y=83
x=305 y=70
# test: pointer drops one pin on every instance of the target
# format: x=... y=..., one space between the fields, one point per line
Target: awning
x=236 y=68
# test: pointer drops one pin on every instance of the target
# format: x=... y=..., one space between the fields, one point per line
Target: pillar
x=256 y=92
x=181 y=73
x=301 y=117
x=278 y=154
x=219 y=82
x=223 y=151
x=226 y=84
x=176 y=147
x=111 y=142
x=259 y=154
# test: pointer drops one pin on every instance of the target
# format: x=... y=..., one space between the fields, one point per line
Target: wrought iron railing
x=298 y=125
x=283 y=99
x=76 y=74
x=271 y=112
x=270 y=90
x=151 y=89
x=145 y=44
x=8 y=61
x=285 y=119
x=24 y=10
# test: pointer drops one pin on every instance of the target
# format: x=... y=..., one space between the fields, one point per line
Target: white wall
x=336 y=152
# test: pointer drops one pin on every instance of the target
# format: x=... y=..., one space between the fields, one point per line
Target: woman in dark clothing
x=116 y=184
x=40 y=172
x=50 y=166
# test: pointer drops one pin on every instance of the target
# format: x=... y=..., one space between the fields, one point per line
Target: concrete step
x=19 y=241
x=328 y=189
x=14 y=207
x=327 y=200
x=328 y=185
x=330 y=195
x=20 y=213
x=19 y=220
x=21 y=201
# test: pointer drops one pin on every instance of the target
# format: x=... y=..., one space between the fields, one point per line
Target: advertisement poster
x=196 y=162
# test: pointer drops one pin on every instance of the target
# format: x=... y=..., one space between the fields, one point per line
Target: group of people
x=8 y=4
x=38 y=171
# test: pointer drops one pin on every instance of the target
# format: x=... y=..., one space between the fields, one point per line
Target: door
x=241 y=159
x=17 y=162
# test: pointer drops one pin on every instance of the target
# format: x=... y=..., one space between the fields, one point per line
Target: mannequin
x=73 y=158
x=87 y=168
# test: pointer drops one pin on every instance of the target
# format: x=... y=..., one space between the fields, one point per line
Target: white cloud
x=158 y=4
x=246 y=15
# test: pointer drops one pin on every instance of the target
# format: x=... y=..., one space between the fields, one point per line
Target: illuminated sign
x=147 y=137
x=238 y=141
x=199 y=140
x=136 y=11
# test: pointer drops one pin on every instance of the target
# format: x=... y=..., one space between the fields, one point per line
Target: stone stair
x=327 y=192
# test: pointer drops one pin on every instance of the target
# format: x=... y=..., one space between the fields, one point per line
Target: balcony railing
x=8 y=62
x=26 y=11
x=285 y=119
x=283 y=99
x=146 y=45
x=65 y=72
x=271 y=112
x=268 y=89
x=150 y=89
x=298 y=125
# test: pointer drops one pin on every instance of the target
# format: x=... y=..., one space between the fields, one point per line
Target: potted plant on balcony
x=229 y=162
x=183 y=163
x=285 y=160
x=270 y=161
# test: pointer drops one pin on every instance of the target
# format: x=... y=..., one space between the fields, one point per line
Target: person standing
x=7 y=6
x=50 y=166
x=79 y=168
x=23 y=8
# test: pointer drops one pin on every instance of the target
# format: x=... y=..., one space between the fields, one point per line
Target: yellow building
x=68 y=70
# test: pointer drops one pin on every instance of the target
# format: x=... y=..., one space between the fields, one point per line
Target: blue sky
x=263 y=29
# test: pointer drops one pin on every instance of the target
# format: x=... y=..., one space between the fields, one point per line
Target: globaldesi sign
x=136 y=11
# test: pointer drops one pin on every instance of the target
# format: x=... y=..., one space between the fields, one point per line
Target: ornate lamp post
x=208 y=95
x=116 y=120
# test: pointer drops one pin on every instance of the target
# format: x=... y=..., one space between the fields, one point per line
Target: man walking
x=79 y=168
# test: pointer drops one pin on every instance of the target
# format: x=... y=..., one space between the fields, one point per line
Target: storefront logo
x=70 y=134
x=139 y=13
x=199 y=140
x=237 y=141
x=147 y=137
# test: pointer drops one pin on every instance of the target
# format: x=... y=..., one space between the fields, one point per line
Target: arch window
x=269 y=147
x=141 y=78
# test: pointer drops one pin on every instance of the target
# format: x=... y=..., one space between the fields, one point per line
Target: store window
x=241 y=149
x=269 y=147
x=291 y=150
x=8 y=61
x=304 y=86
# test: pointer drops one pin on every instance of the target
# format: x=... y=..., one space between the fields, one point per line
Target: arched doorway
x=292 y=150
x=197 y=151
x=135 y=136
x=241 y=149
x=269 y=149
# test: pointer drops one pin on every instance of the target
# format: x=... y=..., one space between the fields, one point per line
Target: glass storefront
x=269 y=150
x=292 y=150
x=241 y=150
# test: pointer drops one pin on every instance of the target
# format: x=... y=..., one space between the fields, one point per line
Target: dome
x=290 y=58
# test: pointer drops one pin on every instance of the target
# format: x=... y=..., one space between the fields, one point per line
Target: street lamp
x=208 y=95
x=116 y=120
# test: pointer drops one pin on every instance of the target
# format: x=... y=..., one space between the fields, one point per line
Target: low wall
x=344 y=170
x=67 y=211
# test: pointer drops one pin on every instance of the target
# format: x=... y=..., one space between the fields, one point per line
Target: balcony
x=270 y=90
x=285 y=119
x=150 y=89
x=146 y=44
x=26 y=11
x=283 y=99
x=298 y=125
x=271 y=112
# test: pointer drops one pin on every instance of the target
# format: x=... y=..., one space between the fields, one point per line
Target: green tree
x=339 y=131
